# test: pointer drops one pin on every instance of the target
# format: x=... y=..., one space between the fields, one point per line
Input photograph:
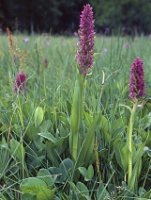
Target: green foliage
x=126 y=15
x=64 y=172
x=37 y=189
x=35 y=158
x=39 y=114
x=81 y=192
x=17 y=149
x=45 y=175
x=47 y=16
x=86 y=151
x=41 y=16
x=87 y=173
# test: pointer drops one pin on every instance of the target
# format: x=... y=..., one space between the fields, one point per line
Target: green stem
x=20 y=113
x=130 y=131
x=76 y=116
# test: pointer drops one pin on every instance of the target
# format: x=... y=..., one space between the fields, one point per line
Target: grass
x=35 y=143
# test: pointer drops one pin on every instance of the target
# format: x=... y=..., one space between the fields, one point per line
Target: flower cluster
x=20 y=82
x=86 y=40
x=136 y=84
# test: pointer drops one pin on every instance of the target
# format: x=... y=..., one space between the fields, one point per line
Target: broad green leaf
x=83 y=171
x=48 y=136
x=56 y=173
x=90 y=172
x=32 y=185
x=83 y=190
x=87 y=148
x=38 y=116
x=137 y=168
x=29 y=197
x=54 y=141
x=105 y=126
x=80 y=191
x=36 y=186
x=63 y=172
x=17 y=149
x=124 y=156
x=45 y=175
x=138 y=153
x=66 y=167
x=54 y=155
x=87 y=173
x=45 y=125
x=118 y=145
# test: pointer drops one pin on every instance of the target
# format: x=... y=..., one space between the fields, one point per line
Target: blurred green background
x=62 y=16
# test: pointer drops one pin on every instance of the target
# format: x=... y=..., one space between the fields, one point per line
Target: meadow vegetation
x=35 y=124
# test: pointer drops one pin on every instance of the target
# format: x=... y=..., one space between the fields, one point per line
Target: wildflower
x=26 y=40
x=86 y=40
x=20 y=82
x=75 y=34
x=136 y=84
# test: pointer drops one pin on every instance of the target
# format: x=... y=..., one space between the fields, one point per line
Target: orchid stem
x=130 y=133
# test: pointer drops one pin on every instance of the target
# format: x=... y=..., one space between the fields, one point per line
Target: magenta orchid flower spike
x=136 y=84
x=20 y=82
x=86 y=33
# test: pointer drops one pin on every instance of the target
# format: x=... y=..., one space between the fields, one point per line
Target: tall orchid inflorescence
x=20 y=82
x=136 y=84
x=86 y=40
x=136 y=91
x=84 y=59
